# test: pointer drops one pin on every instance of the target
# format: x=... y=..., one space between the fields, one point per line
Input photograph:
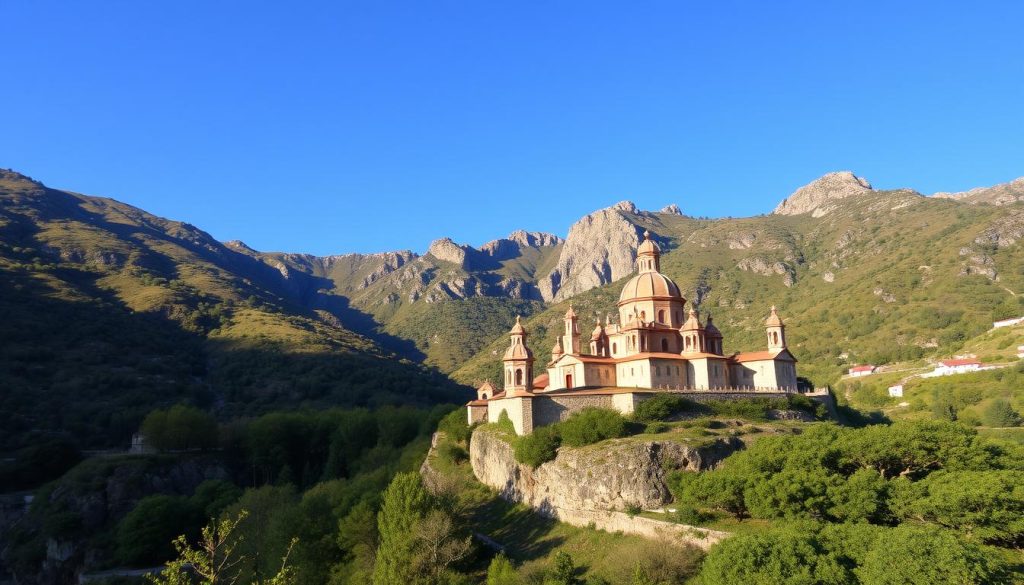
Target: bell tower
x=775 y=330
x=571 y=335
x=518 y=363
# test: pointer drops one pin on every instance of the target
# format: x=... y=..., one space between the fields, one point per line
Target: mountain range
x=859 y=274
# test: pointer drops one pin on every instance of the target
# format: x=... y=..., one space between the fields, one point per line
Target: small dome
x=649 y=284
x=711 y=331
x=692 y=322
x=517 y=329
x=598 y=332
x=648 y=247
x=518 y=351
x=570 y=314
x=773 y=319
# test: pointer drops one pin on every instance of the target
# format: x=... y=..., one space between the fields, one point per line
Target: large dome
x=649 y=284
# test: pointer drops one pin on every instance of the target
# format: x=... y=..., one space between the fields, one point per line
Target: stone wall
x=593 y=485
x=551 y=409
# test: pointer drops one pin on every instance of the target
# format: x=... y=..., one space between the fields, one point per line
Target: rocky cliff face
x=613 y=476
x=819 y=197
x=1002 y=194
x=600 y=248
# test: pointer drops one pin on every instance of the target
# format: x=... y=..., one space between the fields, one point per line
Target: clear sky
x=331 y=127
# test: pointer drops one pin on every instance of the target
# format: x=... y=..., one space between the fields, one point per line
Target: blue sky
x=367 y=126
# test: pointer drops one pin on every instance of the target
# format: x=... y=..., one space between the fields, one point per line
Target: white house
x=957 y=366
x=865 y=370
x=1008 y=322
x=896 y=391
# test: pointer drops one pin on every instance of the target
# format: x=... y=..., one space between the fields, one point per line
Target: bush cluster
x=586 y=427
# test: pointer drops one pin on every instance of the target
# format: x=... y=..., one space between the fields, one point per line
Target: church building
x=656 y=346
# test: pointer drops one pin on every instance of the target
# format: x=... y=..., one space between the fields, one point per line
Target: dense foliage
x=851 y=554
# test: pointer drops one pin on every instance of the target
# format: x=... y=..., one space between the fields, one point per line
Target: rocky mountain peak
x=534 y=239
x=1002 y=194
x=627 y=206
x=240 y=246
x=671 y=209
x=13 y=176
x=819 y=197
x=448 y=251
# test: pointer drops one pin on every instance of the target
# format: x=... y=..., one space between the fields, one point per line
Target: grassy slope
x=107 y=312
x=897 y=291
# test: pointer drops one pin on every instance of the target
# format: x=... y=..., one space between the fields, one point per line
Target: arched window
x=664 y=345
x=661 y=316
x=687 y=342
x=485 y=396
x=643 y=315
x=519 y=377
x=615 y=348
x=775 y=338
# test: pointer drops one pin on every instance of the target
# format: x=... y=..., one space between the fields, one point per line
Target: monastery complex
x=656 y=346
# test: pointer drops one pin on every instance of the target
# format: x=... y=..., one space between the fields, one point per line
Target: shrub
x=660 y=407
x=144 y=536
x=538 y=447
x=452 y=453
x=455 y=425
x=591 y=425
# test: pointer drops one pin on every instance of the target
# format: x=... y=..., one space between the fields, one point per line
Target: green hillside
x=888 y=276
x=107 y=312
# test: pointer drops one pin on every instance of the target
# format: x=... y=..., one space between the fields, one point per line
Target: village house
x=955 y=366
x=656 y=345
x=858 y=371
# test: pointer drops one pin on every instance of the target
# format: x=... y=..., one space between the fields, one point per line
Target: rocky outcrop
x=819 y=197
x=601 y=248
x=514 y=245
x=1002 y=194
x=766 y=267
x=671 y=209
x=594 y=485
x=1003 y=232
x=446 y=250
x=612 y=476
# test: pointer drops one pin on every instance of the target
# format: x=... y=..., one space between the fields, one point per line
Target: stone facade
x=655 y=346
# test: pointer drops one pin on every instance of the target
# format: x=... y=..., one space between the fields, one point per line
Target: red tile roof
x=754 y=356
x=960 y=362
x=862 y=368
x=541 y=381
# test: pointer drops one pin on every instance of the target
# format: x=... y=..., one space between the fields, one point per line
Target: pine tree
x=405 y=504
x=501 y=572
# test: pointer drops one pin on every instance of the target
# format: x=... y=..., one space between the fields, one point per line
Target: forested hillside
x=107 y=312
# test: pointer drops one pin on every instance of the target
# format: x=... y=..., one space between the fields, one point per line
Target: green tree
x=1000 y=413
x=563 y=570
x=145 y=535
x=501 y=572
x=179 y=428
x=405 y=504
x=793 y=556
x=928 y=554
x=988 y=505
x=862 y=496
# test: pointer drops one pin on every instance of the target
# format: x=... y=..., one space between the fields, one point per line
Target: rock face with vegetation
x=1002 y=194
x=820 y=196
x=617 y=475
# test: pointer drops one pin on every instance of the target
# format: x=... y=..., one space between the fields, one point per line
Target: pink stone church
x=651 y=349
